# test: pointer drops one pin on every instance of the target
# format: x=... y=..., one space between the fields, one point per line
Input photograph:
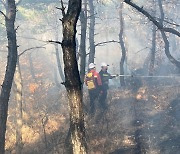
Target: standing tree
x=10 y=69
x=19 y=113
x=91 y=32
x=165 y=38
x=163 y=29
x=153 y=48
x=72 y=77
x=60 y=70
x=121 y=41
x=82 y=49
x=153 y=51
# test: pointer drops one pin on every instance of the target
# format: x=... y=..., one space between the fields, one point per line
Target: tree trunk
x=61 y=74
x=123 y=49
x=10 y=70
x=59 y=63
x=31 y=67
x=18 y=95
x=72 y=78
x=91 y=32
x=165 y=39
x=82 y=52
x=153 y=51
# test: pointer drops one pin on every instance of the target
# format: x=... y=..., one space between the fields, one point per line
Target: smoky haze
x=141 y=117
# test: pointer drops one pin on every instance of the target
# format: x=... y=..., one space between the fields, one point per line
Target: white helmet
x=91 y=65
x=104 y=64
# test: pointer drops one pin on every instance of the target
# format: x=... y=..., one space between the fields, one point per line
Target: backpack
x=90 y=81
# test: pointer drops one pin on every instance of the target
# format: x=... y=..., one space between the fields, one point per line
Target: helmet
x=91 y=65
x=104 y=64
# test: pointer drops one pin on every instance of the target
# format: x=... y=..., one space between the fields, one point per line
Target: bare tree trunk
x=153 y=48
x=82 y=51
x=153 y=51
x=61 y=74
x=31 y=67
x=123 y=49
x=91 y=32
x=56 y=74
x=10 y=70
x=18 y=96
x=72 y=78
x=165 y=39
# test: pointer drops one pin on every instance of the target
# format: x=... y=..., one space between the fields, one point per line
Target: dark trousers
x=102 y=98
x=93 y=95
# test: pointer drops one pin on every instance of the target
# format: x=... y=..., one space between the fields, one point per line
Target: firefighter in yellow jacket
x=93 y=82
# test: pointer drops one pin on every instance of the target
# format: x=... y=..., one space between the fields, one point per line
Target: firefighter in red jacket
x=93 y=82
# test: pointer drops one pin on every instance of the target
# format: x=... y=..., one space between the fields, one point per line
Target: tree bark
x=18 y=96
x=123 y=49
x=91 y=32
x=153 y=51
x=72 y=78
x=10 y=70
x=82 y=51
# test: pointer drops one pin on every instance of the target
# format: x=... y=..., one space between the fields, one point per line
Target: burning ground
x=143 y=119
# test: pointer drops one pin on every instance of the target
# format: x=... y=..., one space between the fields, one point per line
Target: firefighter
x=93 y=82
x=105 y=76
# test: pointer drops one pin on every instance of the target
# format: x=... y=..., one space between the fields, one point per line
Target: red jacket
x=96 y=76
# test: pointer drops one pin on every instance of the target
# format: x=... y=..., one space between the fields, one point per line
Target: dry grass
x=110 y=131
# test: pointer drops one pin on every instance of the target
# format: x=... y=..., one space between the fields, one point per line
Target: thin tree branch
x=3 y=14
x=151 y=18
x=62 y=8
x=51 y=41
x=171 y=23
x=41 y=47
x=103 y=43
x=142 y=49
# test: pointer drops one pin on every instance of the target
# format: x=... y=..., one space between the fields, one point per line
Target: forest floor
x=143 y=119
x=146 y=121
